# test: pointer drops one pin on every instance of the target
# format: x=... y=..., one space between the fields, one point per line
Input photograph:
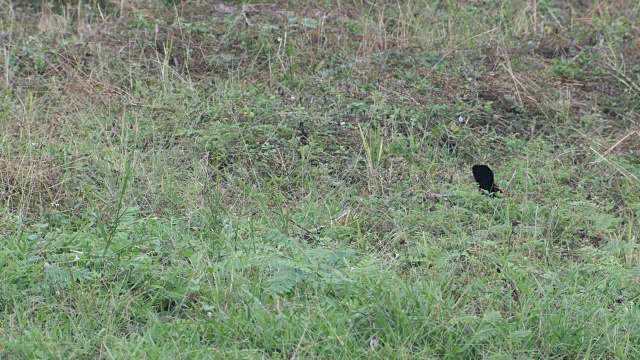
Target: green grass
x=195 y=180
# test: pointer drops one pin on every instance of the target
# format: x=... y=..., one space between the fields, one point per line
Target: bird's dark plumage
x=484 y=177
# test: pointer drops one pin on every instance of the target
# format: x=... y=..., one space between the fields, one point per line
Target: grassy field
x=292 y=180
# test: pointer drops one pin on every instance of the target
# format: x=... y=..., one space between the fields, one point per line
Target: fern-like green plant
x=319 y=266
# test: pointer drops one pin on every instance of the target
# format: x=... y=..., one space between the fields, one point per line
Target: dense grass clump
x=188 y=179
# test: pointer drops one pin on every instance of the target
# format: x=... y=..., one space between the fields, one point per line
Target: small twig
x=244 y=14
x=618 y=143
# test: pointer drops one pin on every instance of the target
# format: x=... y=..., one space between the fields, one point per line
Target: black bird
x=484 y=178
